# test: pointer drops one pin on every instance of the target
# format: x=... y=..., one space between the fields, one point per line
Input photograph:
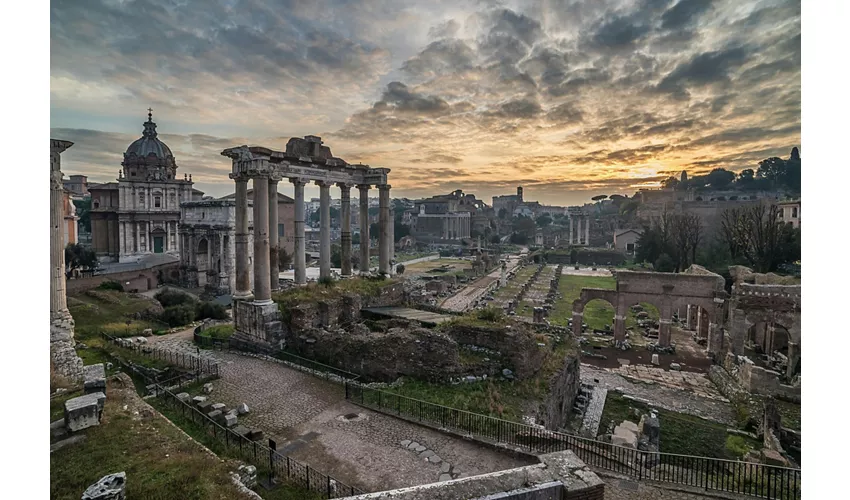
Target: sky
x=566 y=98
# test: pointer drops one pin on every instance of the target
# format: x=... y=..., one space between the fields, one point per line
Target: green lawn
x=108 y=311
x=160 y=463
x=680 y=433
x=597 y=313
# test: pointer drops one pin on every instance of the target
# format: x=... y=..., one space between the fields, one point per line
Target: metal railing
x=758 y=480
x=197 y=364
x=267 y=461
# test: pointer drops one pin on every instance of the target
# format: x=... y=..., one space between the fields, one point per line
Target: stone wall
x=758 y=380
x=141 y=280
x=617 y=488
x=517 y=346
x=381 y=356
x=559 y=476
x=563 y=388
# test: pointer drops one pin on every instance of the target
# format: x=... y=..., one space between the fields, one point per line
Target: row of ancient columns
x=266 y=239
x=454 y=228
x=578 y=239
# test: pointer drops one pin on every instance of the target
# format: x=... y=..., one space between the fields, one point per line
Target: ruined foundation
x=62 y=354
x=257 y=323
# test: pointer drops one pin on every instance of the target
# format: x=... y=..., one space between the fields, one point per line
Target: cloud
x=571 y=95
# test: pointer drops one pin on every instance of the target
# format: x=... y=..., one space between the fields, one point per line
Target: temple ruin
x=63 y=357
x=304 y=160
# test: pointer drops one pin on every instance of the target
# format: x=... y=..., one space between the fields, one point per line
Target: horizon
x=603 y=97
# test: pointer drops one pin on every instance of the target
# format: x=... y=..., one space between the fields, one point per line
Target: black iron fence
x=269 y=463
x=758 y=480
x=186 y=361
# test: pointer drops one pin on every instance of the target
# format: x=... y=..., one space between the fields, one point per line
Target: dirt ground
x=690 y=355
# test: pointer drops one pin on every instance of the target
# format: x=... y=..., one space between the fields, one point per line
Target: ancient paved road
x=698 y=400
x=463 y=299
x=307 y=414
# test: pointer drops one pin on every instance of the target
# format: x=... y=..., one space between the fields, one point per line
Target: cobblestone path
x=463 y=299
x=695 y=399
x=364 y=452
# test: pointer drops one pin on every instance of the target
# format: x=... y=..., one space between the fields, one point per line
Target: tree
x=687 y=232
x=495 y=239
x=503 y=212
x=772 y=169
x=720 y=178
x=544 y=220
x=757 y=236
x=525 y=226
x=284 y=259
x=355 y=239
x=670 y=183
x=400 y=230
x=518 y=239
x=664 y=264
x=83 y=209
x=316 y=216
x=79 y=257
x=599 y=197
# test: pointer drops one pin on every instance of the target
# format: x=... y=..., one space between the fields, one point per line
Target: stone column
x=619 y=328
x=345 y=228
x=578 y=317
x=571 y=230
x=793 y=359
x=384 y=235
x=578 y=232
x=262 y=284
x=243 y=278
x=702 y=324
x=364 y=228
x=138 y=243
x=691 y=322
x=587 y=232
x=665 y=322
x=63 y=358
x=392 y=236
x=715 y=339
x=324 y=229
x=274 y=238
x=300 y=258
x=121 y=241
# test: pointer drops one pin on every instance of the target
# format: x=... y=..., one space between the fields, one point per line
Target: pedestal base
x=257 y=323
x=62 y=354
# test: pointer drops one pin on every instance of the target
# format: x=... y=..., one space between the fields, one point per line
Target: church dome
x=148 y=144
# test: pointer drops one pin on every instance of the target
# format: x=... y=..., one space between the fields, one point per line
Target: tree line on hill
x=772 y=174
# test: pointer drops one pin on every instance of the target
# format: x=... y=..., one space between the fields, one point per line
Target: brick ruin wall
x=564 y=387
x=140 y=280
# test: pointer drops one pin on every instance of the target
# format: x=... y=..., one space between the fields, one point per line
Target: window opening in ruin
x=157 y=201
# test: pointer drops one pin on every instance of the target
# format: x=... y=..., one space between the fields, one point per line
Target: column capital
x=384 y=187
x=275 y=177
x=364 y=187
x=323 y=183
x=298 y=181
x=345 y=185
x=237 y=176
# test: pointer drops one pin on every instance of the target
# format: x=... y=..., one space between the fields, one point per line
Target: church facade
x=139 y=214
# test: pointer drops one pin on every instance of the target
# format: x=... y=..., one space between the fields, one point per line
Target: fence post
x=272 y=449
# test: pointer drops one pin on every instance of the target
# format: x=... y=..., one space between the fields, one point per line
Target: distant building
x=450 y=216
x=138 y=215
x=285 y=219
x=77 y=185
x=789 y=212
x=509 y=202
x=626 y=240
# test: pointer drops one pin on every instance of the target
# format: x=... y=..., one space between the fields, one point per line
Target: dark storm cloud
x=706 y=68
x=684 y=13
x=447 y=55
x=619 y=32
x=402 y=99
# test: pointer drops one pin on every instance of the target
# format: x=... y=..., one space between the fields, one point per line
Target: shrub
x=210 y=310
x=326 y=281
x=178 y=315
x=399 y=269
x=665 y=264
x=170 y=298
x=111 y=285
x=491 y=314
x=220 y=332
x=737 y=445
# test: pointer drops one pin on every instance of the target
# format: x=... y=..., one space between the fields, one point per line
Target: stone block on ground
x=219 y=406
x=205 y=406
x=184 y=397
x=94 y=377
x=243 y=409
x=83 y=412
x=230 y=420
x=111 y=487
x=241 y=430
x=445 y=477
x=446 y=468
x=248 y=475
x=199 y=399
x=626 y=434
x=655 y=360
x=675 y=367
x=208 y=388
x=58 y=429
x=215 y=414
x=255 y=435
